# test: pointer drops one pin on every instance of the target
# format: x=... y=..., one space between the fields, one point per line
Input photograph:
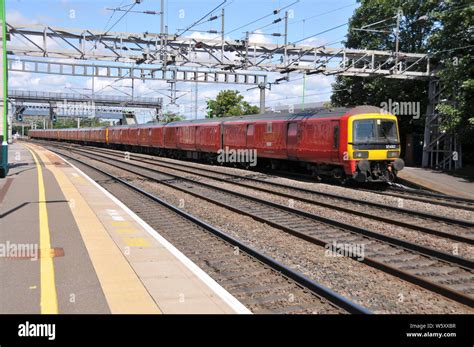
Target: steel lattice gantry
x=102 y=100
x=172 y=52
x=441 y=150
x=77 y=105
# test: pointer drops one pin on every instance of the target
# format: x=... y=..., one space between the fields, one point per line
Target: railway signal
x=19 y=113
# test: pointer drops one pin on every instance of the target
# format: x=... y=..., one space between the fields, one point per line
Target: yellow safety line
x=49 y=299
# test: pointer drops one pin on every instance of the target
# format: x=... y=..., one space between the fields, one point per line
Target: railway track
x=453 y=229
x=261 y=283
x=429 y=197
x=436 y=271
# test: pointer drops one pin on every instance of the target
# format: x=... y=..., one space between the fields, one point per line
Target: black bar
x=244 y=330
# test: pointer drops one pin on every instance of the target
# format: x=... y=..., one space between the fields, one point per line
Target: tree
x=451 y=46
x=71 y=122
x=169 y=117
x=229 y=103
x=426 y=26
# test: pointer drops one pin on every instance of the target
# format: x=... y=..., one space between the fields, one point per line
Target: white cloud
x=259 y=37
x=314 y=41
x=14 y=17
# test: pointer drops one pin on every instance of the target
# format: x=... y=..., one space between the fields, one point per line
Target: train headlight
x=393 y=154
x=361 y=155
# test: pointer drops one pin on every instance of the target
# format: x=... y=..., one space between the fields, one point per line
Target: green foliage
x=451 y=114
x=229 y=103
x=169 y=117
x=72 y=123
x=426 y=26
x=451 y=46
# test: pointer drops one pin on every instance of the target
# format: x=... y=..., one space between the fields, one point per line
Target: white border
x=228 y=298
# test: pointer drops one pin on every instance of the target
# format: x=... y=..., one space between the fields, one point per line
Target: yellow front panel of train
x=371 y=132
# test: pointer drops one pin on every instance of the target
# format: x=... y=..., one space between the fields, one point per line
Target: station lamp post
x=4 y=133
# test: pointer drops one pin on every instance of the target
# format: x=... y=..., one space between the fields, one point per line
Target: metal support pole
x=247 y=38
x=196 y=89
x=133 y=85
x=4 y=133
x=304 y=91
x=397 y=40
x=262 y=88
x=10 y=124
x=286 y=37
x=162 y=20
x=165 y=55
x=93 y=81
x=222 y=36
x=429 y=117
x=162 y=29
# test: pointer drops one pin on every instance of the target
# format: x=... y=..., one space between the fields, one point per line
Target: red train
x=361 y=143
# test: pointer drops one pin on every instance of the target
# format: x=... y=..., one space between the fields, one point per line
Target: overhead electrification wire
x=115 y=81
x=313 y=94
x=130 y=6
x=112 y=14
x=322 y=32
x=307 y=18
x=274 y=12
x=450 y=50
x=322 y=14
x=201 y=19
x=121 y=17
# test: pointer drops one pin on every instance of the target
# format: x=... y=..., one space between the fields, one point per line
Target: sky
x=307 y=17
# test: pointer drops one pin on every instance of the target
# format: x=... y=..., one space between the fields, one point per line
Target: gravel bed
x=418 y=237
x=340 y=190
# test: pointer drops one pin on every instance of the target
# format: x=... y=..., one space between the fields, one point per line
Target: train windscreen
x=369 y=131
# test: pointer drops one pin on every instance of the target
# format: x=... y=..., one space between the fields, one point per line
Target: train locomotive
x=360 y=143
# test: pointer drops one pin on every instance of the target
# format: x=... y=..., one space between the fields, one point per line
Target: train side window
x=336 y=137
x=250 y=130
x=269 y=127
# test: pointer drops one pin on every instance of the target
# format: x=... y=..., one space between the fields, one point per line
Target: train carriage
x=144 y=136
x=186 y=138
x=157 y=136
x=132 y=138
x=361 y=143
x=170 y=137
x=114 y=135
x=237 y=135
x=209 y=137
x=268 y=138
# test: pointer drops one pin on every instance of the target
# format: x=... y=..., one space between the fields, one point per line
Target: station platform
x=69 y=246
x=438 y=181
